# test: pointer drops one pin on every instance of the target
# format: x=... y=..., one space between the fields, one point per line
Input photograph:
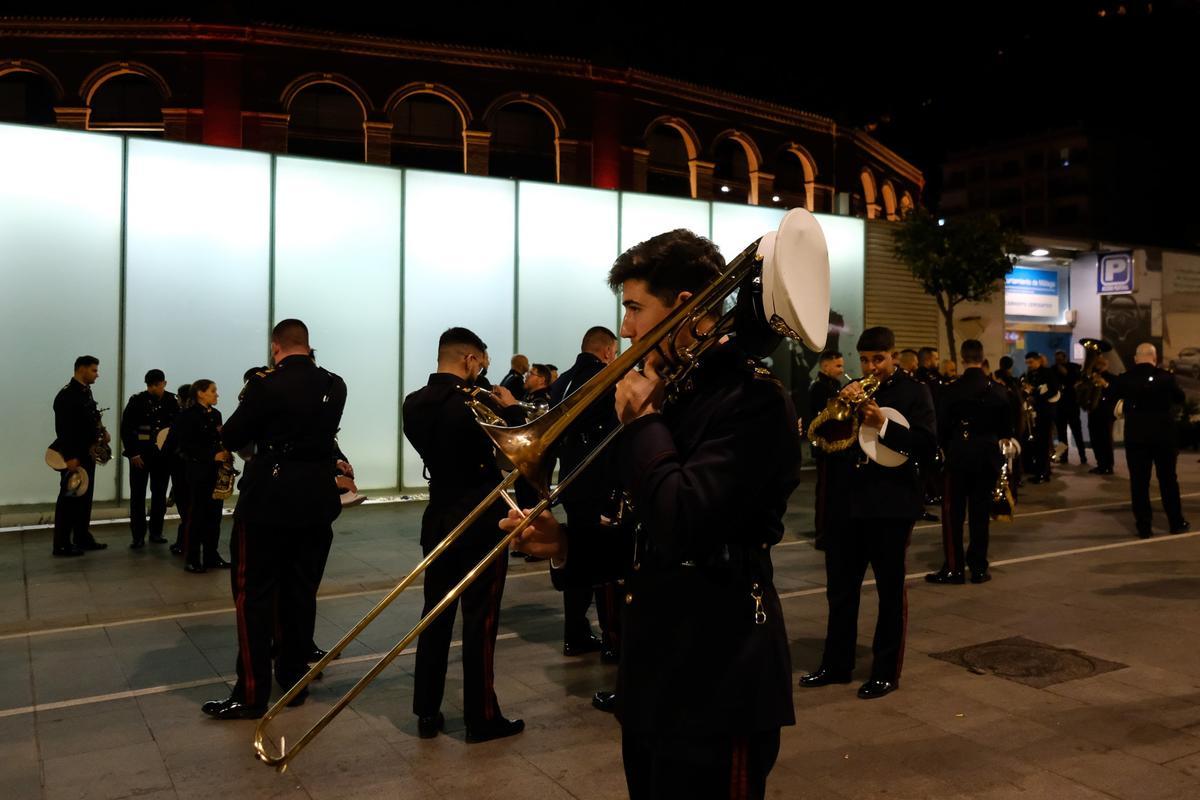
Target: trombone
x=528 y=447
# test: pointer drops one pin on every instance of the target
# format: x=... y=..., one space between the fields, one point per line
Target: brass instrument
x=798 y=246
x=226 y=478
x=836 y=427
x=100 y=450
x=1028 y=412
x=1004 y=503
x=1089 y=389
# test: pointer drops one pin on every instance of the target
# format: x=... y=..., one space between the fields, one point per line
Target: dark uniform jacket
x=709 y=479
x=197 y=436
x=75 y=419
x=975 y=415
x=586 y=432
x=1044 y=401
x=820 y=392
x=1150 y=396
x=291 y=415
x=1068 y=375
x=1108 y=397
x=460 y=459
x=862 y=489
x=145 y=415
x=515 y=383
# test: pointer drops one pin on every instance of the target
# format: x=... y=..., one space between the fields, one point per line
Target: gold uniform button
x=629 y=598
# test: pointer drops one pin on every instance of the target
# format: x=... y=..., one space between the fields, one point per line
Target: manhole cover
x=1028 y=662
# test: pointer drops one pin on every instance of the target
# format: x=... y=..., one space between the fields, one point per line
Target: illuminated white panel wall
x=60 y=247
x=337 y=267
x=847 y=266
x=459 y=248
x=197 y=265
x=567 y=244
x=734 y=227
x=645 y=215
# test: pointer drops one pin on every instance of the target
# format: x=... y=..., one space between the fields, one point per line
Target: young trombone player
x=704 y=683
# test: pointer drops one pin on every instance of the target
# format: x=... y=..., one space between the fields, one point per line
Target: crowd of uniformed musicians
x=669 y=532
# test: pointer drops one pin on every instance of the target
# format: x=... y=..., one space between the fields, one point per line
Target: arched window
x=524 y=143
x=27 y=97
x=427 y=133
x=668 y=171
x=129 y=102
x=326 y=121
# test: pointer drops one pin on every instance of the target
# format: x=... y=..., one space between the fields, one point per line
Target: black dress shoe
x=983 y=576
x=605 y=701
x=927 y=517
x=515 y=554
x=431 y=726
x=317 y=654
x=533 y=559
x=494 y=729
x=93 y=545
x=66 y=552
x=137 y=544
x=1145 y=534
x=823 y=677
x=1182 y=527
x=946 y=576
x=217 y=563
x=193 y=567
x=874 y=688
x=583 y=646
x=1096 y=471
x=232 y=709
x=160 y=539
x=1106 y=471
x=610 y=655
x=176 y=550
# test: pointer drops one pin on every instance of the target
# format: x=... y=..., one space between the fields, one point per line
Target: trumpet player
x=975 y=416
x=871 y=516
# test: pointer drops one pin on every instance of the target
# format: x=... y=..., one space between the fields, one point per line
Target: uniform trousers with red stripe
x=718 y=768
x=271 y=560
x=481 y=621
x=968 y=495
x=852 y=546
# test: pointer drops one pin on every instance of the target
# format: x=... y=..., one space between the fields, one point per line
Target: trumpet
x=798 y=246
x=836 y=427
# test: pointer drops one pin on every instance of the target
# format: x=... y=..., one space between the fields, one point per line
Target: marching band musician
x=460 y=462
x=872 y=512
x=823 y=389
x=1101 y=418
x=975 y=416
x=704 y=683
x=198 y=433
x=597 y=564
x=145 y=415
x=1067 y=410
x=1044 y=389
x=1149 y=395
x=76 y=424
x=282 y=526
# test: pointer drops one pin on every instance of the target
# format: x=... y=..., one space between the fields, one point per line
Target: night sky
x=924 y=78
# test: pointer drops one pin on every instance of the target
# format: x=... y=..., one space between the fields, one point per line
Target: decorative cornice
x=275 y=35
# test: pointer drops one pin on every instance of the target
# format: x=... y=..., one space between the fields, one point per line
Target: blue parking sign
x=1114 y=273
